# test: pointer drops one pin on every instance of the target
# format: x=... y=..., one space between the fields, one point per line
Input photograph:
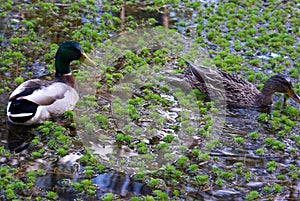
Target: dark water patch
x=111 y=182
x=18 y=138
x=169 y=16
x=121 y=184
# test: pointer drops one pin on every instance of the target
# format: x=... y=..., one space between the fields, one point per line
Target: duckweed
x=241 y=40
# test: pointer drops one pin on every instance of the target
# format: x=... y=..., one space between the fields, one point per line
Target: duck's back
x=219 y=85
x=239 y=92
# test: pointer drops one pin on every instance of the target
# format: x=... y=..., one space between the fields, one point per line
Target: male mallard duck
x=35 y=101
x=238 y=92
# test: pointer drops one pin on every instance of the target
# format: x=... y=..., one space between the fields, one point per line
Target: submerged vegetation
x=137 y=120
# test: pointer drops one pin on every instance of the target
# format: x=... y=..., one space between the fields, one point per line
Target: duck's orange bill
x=293 y=95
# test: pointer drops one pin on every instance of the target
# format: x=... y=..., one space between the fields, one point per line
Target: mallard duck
x=238 y=92
x=35 y=101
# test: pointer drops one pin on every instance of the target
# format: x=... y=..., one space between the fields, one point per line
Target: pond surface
x=140 y=131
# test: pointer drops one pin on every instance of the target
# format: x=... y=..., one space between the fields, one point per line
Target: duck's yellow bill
x=293 y=95
x=85 y=59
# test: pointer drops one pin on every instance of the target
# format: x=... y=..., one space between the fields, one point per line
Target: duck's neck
x=63 y=70
x=265 y=97
x=68 y=79
x=62 y=65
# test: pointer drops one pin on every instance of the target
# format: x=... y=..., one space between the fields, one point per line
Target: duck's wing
x=208 y=80
x=40 y=92
x=239 y=92
x=215 y=83
x=27 y=88
x=46 y=95
x=35 y=101
x=206 y=74
x=202 y=73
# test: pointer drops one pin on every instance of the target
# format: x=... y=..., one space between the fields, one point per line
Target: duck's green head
x=67 y=52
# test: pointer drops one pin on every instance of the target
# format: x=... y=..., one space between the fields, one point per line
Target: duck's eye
x=288 y=81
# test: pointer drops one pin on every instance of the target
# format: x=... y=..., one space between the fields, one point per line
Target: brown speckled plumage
x=237 y=92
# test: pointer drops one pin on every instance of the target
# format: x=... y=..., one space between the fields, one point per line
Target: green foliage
x=19 y=80
x=108 y=197
x=253 y=195
x=243 y=37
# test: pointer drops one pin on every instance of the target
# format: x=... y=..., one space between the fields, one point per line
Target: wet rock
x=3 y=160
x=255 y=185
x=228 y=194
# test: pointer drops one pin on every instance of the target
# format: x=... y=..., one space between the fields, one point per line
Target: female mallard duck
x=37 y=100
x=238 y=92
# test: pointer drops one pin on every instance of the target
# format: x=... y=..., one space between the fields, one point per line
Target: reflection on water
x=114 y=182
x=138 y=10
x=120 y=184
x=242 y=121
x=18 y=138
x=15 y=138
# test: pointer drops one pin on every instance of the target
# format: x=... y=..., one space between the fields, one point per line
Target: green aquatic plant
x=253 y=135
x=182 y=162
x=271 y=166
x=136 y=199
x=248 y=176
x=61 y=151
x=142 y=148
x=154 y=183
x=253 y=195
x=160 y=195
x=266 y=189
x=163 y=146
x=263 y=117
x=89 y=171
x=69 y=115
x=219 y=182
x=281 y=177
x=121 y=138
x=88 y=158
x=274 y=144
x=52 y=195
x=201 y=180
x=226 y=175
x=293 y=151
x=168 y=138
x=19 y=80
x=260 y=151
x=36 y=140
x=193 y=168
x=85 y=187
x=102 y=120
x=277 y=188
x=238 y=169
x=239 y=140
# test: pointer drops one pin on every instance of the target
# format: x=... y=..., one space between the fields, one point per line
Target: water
x=236 y=149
